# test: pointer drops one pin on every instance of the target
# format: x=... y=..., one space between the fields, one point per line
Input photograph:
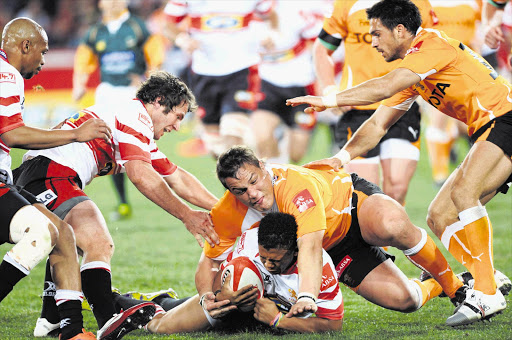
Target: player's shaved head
x=20 y=29
x=25 y=42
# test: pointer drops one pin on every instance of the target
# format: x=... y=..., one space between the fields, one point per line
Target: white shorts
x=399 y=148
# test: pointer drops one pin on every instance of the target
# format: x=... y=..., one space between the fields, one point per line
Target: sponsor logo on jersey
x=303 y=200
x=7 y=77
x=241 y=243
x=101 y=46
x=328 y=279
x=414 y=49
x=340 y=267
x=74 y=118
x=222 y=22
x=145 y=120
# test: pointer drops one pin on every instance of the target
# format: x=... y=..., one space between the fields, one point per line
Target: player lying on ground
x=273 y=249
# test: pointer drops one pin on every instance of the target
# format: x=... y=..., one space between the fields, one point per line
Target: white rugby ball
x=243 y=272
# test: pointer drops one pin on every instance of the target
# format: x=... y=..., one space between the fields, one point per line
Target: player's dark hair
x=232 y=160
x=278 y=230
x=394 y=12
x=171 y=90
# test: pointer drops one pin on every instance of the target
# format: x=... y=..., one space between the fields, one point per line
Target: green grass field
x=154 y=251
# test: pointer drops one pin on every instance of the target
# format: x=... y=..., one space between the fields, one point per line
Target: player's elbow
x=334 y=325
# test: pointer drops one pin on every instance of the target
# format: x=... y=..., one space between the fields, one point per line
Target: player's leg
x=263 y=125
x=34 y=236
x=97 y=246
x=399 y=159
x=299 y=143
x=66 y=274
x=383 y=221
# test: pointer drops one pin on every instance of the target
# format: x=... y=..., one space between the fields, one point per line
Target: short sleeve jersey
x=284 y=288
x=12 y=97
x=454 y=79
x=348 y=22
x=132 y=139
x=120 y=53
x=319 y=200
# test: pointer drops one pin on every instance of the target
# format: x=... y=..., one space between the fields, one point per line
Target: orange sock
x=430 y=288
x=479 y=240
x=455 y=240
x=428 y=257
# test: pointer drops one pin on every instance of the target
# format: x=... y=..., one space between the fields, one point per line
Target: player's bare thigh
x=91 y=232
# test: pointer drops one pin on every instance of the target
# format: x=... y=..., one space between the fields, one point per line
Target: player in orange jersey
x=342 y=213
x=459 y=83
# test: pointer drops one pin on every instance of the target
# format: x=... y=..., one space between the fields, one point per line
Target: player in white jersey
x=223 y=46
x=286 y=68
x=57 y=176
x=34 y=230
x=273 y=249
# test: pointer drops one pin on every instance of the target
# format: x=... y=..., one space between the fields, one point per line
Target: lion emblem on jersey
x=303 y=201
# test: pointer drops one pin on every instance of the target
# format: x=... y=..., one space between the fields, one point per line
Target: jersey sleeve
x=10 y=102
x=428 y=56
x=264 y=7
x=402 y=100
x=330 y=299
x=160 y=162
x=301 y=198
x=176 y=10
x=334 y=28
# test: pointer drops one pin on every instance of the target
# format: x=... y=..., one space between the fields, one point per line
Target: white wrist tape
x=330 y=100
x=343 y=156
x=329 y=89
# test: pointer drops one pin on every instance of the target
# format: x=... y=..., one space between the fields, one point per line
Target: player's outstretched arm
x=153 y=186
x=267 y=313
x=27 y=137
x=189 y=188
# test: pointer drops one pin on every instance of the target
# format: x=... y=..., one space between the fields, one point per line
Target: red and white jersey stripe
x=12 y=97
x=284 y=288
x=132 y=139
x=227 y=42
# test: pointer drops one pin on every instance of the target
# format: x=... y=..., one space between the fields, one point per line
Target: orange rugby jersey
x=455 y=80
x=362 y=61
x=457 y=18
x=319 y=200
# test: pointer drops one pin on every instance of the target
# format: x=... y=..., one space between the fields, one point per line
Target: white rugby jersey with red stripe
x=227 y=42
x=284 y=288
x=12 y=97
x=132 y=139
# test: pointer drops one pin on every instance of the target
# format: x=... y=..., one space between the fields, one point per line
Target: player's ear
x=25 y=46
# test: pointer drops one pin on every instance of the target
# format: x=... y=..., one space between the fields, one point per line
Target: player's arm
x=266 y=312
x=310 y=264
x=369 y=92
x=189 y=188
x=86 y=62
x=26 y=137
x=324 y=64
x=152 y=185
x=492 y=17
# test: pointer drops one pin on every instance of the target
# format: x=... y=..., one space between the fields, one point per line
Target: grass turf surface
x=154 y=251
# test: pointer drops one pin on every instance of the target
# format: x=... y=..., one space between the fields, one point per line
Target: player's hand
x=302 y=307
x=199 y=224
x=315 y=102
x=494 y=36
x=332 y=162
x=217 y=309
x=92 y=129
x=244 y=297
x=186 y=43
x=265 y=310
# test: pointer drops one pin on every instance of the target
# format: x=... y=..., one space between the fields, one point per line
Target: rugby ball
x=243 y=272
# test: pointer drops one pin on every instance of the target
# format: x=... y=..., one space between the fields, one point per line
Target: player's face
x=277 y=260
x=253 y=187
x=113 y=8
x=167 y=121
x=33 y=59
x=384 y=40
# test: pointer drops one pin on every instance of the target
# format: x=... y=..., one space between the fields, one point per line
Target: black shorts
x=217 y=95
x=12 y=199
x=407 y=127
x=275 y=101
x=499 y=132
x=353 y=257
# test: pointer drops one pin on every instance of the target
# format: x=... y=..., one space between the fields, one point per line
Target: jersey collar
x=3 y=55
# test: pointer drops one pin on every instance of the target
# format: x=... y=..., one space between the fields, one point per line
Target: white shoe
x=503 y=282
x=477 y=306
x=44 y=327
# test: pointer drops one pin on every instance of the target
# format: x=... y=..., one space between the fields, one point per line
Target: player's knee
x=34 y=234
x=435 y=217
